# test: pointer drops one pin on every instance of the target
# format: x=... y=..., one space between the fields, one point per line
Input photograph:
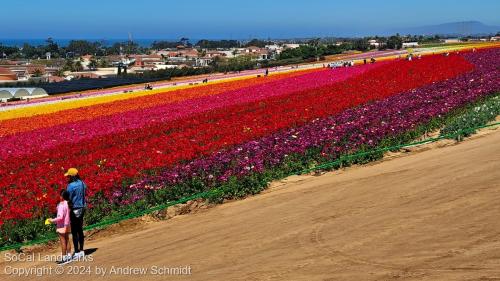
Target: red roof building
x=33 y=68
x=7 y=75
x=147 y=60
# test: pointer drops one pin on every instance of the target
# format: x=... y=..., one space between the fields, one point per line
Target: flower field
x=146 y=148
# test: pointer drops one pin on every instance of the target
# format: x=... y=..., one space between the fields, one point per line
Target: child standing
x=62 y=222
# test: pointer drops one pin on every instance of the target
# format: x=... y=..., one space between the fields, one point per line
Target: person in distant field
x=63 y=229
x=267 y=72
x=364 y=61
x=372 y=60
x=76 y=189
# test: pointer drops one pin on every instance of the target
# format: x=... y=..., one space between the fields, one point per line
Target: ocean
x=65 y=42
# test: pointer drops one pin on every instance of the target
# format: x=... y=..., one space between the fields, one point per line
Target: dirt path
x=432 y=215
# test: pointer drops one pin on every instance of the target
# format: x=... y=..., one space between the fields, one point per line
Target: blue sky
x=230 y=19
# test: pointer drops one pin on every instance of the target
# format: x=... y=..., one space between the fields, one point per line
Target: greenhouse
x=22 y=93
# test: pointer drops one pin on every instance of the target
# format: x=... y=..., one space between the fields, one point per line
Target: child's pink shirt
x=62 y=219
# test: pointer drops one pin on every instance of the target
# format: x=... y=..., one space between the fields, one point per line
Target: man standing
x=76 y=189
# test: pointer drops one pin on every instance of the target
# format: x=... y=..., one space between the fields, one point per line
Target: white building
x=204 y=61
x=291 y=46
x=374 y=43
x=410 y=44
x=274 y=48
x=228 y=54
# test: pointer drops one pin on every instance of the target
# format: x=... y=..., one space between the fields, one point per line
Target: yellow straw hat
x=71 y=172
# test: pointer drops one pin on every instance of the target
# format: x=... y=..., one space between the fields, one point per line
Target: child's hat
x=71 y=172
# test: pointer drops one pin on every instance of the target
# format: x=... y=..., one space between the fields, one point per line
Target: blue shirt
x=76 y=191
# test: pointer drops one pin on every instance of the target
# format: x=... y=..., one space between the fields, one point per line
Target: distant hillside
x=454 y=28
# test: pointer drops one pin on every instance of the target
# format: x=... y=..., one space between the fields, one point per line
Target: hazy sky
x=229 y=18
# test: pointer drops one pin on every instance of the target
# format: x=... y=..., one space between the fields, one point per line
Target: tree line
x=311 y=48
x=73 y=49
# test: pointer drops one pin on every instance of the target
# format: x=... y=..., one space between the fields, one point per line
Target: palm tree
x=315 y=43
x=92 y=64
x=60 y=72
x=37 y=73
x=68 y=65
x=78 y=66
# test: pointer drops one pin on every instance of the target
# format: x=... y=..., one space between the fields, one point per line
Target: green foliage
x=7 y=50
x=394 y=42
x=159 y=45
x=37 y=73
x=92 y=64
x=218 y=65
x=77 y=66
x=52 y=47
x=214 y=44
x=127 y=48
x=361 y=45
x=234 y=64
x=69 y=65
x=82 y=47
x=280 y=62
x=305 y=52
x=174 y=72
x=473 y=116
x=102 y=62
x=258 y=43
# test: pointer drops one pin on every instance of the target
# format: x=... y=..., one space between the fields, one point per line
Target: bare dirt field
x=430 y=215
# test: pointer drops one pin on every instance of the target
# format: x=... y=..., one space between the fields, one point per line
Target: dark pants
x=77 y=230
